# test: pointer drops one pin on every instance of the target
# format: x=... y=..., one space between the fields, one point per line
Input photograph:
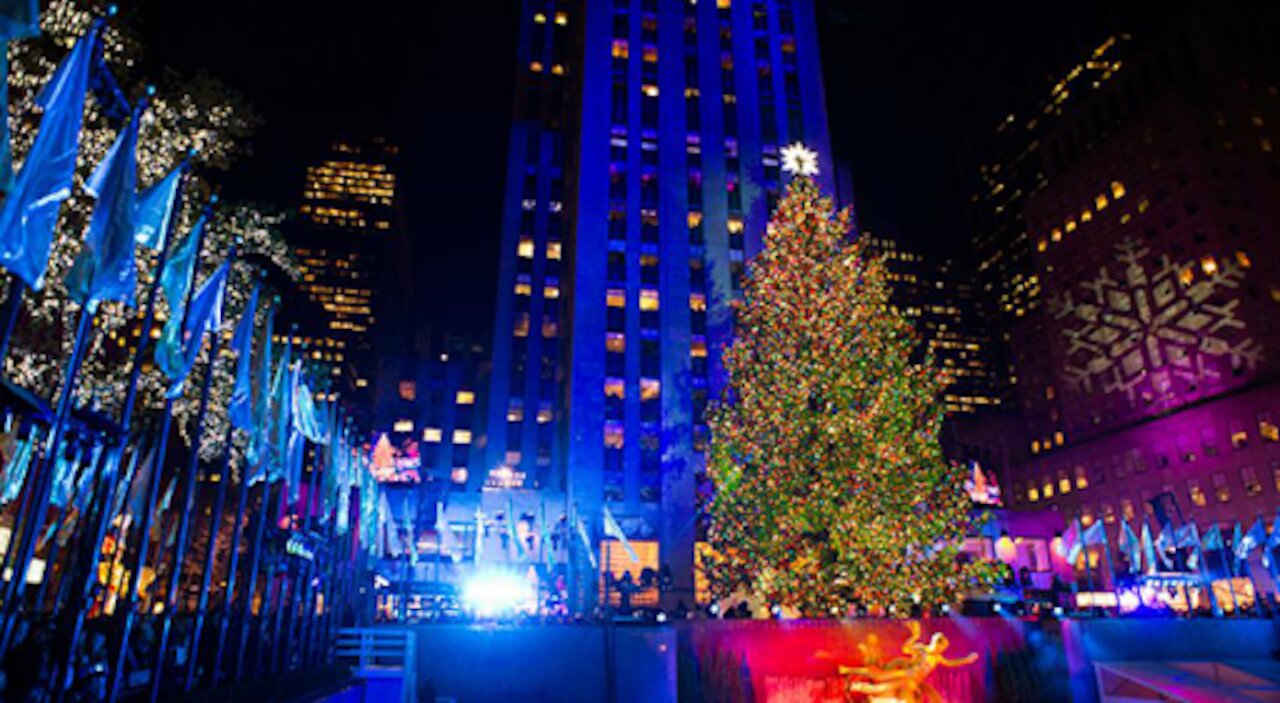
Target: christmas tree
x=831 y=487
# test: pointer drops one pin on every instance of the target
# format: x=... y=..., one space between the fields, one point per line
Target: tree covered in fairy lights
x=185 y=114
x=831 y=487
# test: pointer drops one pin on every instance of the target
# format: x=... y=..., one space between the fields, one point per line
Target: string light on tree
x=799 y=160
x=830 y=485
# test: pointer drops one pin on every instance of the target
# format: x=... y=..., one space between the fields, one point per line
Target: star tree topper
x=799 y=160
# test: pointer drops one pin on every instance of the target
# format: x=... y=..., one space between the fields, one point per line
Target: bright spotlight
x=946 y=608
x=1057 y=611
x=662 y=617
x=497 y=593
x=998 y=607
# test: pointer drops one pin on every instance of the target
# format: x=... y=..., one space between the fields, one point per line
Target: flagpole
x=188 y=503
x=229 y=592
x=251 y=586
x=9 y=312
x=210 y=552
x=42 y=482
x=306 y=592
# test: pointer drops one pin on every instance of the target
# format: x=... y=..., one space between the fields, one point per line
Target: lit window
x=1117 y=190
x=1197 y=494
x=1033 y=493
x=459 y=474
x=539 y=18
x=465 y=397
x=723 y=4
x=1035 y=446
x=613 y=438
x=402 y=426
x=553 y=251
x=648 y=299
x=1242 y=258
x=615 y=388
x=649 y=90
x=1209 y=265
x=521 y=325
x=544 y=415
x=551 y=292
x=616 y=298
x=1143 y=205
x=650 y=388
x=557 y=69
x=562 y=18
x=1082 y=479
x=650 y=54
x=1249 y=477
x=1064 y=483
x=408 y=390
x=698 y=302
x=698 y=348
x=1071 y=226
x=462 y=436
x=1267 y=429
x=735 y=224
x=535 y=66
x=515 y=411
x=694 y=218
x=1220 y=488
x=1042 y=245
x=1100 y=202
x=523 y=288
x=431 y=434
x=525 y=249
x=1058 y=438
x=1056 y=235
x=615 y=342
x=620 y=49
x=1048 y=489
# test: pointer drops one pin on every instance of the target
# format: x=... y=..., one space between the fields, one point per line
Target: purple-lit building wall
x=1151 y=365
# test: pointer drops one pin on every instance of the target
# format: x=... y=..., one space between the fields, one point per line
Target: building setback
x=643 y=167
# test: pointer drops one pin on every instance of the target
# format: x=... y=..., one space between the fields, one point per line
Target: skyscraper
x=347 y=215
x=644 y=164
x=1147 y=380
x=1007 y=171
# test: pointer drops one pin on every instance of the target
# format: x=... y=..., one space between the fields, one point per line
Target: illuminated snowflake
x=799 y=160
x=1151 y=333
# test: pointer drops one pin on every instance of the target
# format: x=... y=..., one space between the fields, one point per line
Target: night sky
x=907 y=85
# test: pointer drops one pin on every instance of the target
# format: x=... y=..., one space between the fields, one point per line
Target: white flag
x=614 y=530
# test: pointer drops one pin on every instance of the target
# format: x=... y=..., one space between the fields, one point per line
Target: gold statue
x=902 y=680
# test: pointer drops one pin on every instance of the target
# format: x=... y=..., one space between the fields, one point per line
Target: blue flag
x=18 y=19
x=30 y=210
x=280 y=416
x=204 y=315
x=1254 y=538
x=1212 y=540
x=175 y=283
x=15 y=471
x=259 y=451
x=105 y=268
x=156 y=206
x=240 y=409
x=306 y=416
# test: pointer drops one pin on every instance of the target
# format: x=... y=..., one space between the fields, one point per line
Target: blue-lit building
x=643 y=166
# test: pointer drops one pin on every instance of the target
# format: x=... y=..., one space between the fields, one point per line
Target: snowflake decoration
x=799 y=160
x=1154 y=334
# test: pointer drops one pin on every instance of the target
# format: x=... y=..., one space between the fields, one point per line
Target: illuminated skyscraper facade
x=937 y=296
x=347 y=215
x=644 y=165
x=1148 y=371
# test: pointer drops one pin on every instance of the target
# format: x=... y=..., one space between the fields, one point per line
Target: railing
x=380 y=654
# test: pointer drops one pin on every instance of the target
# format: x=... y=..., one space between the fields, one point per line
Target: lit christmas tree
x=831 y=487
x=183 y=115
